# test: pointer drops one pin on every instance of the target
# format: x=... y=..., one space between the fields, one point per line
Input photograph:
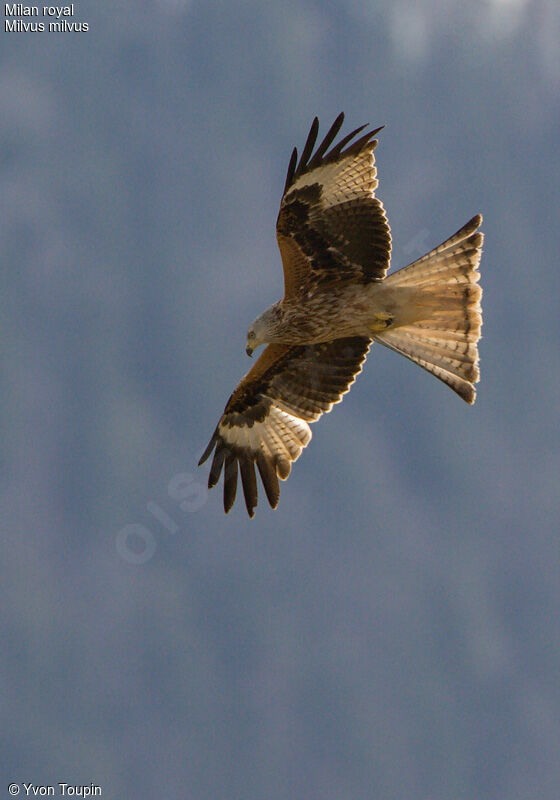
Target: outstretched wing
x=265 y=421
x=331 y=226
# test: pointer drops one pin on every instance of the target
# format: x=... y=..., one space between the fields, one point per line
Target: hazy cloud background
x=391 y=631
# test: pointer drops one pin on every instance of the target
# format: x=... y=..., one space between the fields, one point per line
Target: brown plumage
x=335 y=244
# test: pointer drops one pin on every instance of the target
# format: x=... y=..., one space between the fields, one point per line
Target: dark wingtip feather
x=208 y=450
x=216 y=468
x=269 y=479
x=327 y=141
x=249 y=481
x=339 y=147
x=230 y=481
x=364 y=140
x=291 y=169
x=308 y=147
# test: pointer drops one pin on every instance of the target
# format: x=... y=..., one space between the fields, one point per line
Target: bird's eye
x=251 y=335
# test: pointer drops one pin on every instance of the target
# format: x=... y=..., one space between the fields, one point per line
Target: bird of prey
x=335 y=244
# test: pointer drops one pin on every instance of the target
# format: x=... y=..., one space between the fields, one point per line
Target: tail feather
x=443 y=316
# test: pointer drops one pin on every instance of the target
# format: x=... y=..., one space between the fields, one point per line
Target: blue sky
x=391 y=629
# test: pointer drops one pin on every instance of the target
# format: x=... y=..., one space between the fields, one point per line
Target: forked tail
x=447 y=316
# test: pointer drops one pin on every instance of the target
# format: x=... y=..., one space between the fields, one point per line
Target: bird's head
x=262 y=329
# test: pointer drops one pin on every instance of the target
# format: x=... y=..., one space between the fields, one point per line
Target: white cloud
x=410 y=31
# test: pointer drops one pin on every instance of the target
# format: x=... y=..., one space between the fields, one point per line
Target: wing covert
x=331 y=227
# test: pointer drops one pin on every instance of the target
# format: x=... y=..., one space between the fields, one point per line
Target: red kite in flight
x=335 y=243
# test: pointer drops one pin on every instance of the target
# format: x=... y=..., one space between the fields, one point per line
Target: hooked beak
x=249 y=351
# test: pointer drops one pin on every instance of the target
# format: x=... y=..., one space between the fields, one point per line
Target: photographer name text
x=54 y=790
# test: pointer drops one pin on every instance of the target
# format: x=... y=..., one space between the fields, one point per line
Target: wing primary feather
x=338 y=148
x=269 y=479
x=356 y=146
x=327 y=141
x=291 y=170
x=249 y=481
x=309 y=145
x=230 y=481
x=208 y=450
x=216 y=468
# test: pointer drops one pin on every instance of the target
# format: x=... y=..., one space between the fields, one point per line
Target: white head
x=262 y=329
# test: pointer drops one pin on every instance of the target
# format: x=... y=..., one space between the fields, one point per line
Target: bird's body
x=348 y=309
x=335 y=244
